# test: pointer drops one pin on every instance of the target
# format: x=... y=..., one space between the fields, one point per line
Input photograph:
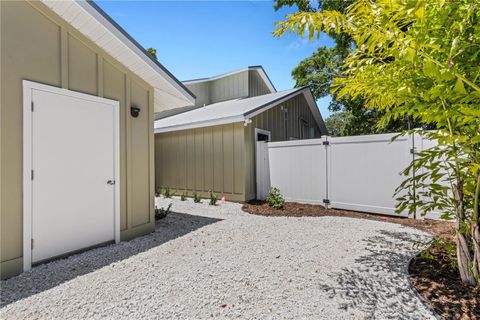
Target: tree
x=152 y=52
x=319 y=70
x=420 y=59
x=336 y=123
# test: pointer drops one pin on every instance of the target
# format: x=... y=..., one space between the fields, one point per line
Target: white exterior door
x=74 y=178
x=262 y=169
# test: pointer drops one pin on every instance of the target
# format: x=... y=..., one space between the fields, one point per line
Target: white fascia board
x=151 y=68
x=201 y=124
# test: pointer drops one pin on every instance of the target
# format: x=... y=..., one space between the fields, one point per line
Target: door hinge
x=32 y=174
x=32 y=106
x=32 y=244
x=326 y=143
x=326 y=201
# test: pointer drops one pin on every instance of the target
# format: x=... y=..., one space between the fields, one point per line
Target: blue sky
x=196 y=39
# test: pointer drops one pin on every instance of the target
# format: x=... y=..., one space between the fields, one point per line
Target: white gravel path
x=220 y=262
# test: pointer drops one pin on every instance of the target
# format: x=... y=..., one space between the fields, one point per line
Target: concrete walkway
x=220 y=262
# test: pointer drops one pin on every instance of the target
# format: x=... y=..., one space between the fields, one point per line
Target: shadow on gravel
x=377 y=284
x=49 y=275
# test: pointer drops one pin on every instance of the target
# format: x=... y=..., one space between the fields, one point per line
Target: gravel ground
x=220 y=262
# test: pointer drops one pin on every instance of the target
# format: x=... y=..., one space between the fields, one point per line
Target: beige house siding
x=230 y=87
x=202 y=159
x=202 y=91
x=273 y=120
x=37 y=45
x=256 y=85
x=225 y=88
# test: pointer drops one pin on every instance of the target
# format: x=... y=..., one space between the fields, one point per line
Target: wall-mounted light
x=134 y=111
x=247 y=122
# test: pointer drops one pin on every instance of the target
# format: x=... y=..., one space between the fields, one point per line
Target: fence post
x=413 y=151
x=326 y=201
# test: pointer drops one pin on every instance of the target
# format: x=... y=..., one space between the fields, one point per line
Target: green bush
x=183 y=197
x=167 y=192
x=444 y=252
x=275 y=198
x=213 y=198
x=196 y=198
x=161 y=213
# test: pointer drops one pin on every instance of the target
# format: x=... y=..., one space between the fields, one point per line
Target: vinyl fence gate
x=358 y=173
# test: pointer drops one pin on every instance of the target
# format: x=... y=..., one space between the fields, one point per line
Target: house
x=212 y=145
x=78 y=97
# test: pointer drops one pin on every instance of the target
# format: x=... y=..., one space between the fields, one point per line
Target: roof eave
x=155 y=64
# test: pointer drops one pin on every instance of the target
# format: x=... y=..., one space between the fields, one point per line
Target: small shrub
x=158 y=193
x=166 y=192
x=183 y=196
x=196 y=198
x=213 y=198
x=444 y=252
x=275 y=198
x=161 y=213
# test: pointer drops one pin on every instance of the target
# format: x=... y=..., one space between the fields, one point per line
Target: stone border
x=412 y=287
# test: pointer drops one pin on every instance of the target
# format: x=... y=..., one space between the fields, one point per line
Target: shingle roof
x=229 y=111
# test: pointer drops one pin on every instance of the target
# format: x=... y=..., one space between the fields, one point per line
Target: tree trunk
x=476 y=252
x=464 y=258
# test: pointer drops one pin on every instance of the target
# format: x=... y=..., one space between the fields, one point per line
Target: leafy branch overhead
x=418 y=59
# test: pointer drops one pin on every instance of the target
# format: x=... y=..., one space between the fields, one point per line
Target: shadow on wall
x=378 y=284
x=49 y=275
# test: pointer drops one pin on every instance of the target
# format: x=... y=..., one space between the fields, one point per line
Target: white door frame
x=28 y=87
x=268 y=133
x=257 y=182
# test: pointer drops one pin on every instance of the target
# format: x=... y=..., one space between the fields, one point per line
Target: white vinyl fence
x=357 y=173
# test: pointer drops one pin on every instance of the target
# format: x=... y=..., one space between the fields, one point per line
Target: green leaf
x=459 y=87
x=430 y=69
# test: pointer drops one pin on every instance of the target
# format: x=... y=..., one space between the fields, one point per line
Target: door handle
x=111 y=182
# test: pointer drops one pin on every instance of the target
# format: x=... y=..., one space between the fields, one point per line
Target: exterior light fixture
x=134 y=111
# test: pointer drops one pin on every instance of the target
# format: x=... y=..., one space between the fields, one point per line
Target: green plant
x=420 y=60
x=196 y=197
x=158 y=192
x=167 y=192
x=443 y=252
x=161 y=213
x=213 y=198
x=275 y=198
x=183 y=196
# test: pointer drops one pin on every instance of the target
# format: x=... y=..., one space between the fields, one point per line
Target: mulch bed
x=440 y=286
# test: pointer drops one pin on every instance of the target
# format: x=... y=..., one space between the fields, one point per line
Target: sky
x=197 y=39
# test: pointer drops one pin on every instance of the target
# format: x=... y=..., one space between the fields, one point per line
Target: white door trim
x=268 y=133
x=28 y=87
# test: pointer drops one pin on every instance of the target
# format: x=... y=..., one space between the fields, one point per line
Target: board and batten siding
x=202 y=91
x=202 y=159
x=256 y=85
x=273 y=120
x=225 y=88
x=39 y=46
